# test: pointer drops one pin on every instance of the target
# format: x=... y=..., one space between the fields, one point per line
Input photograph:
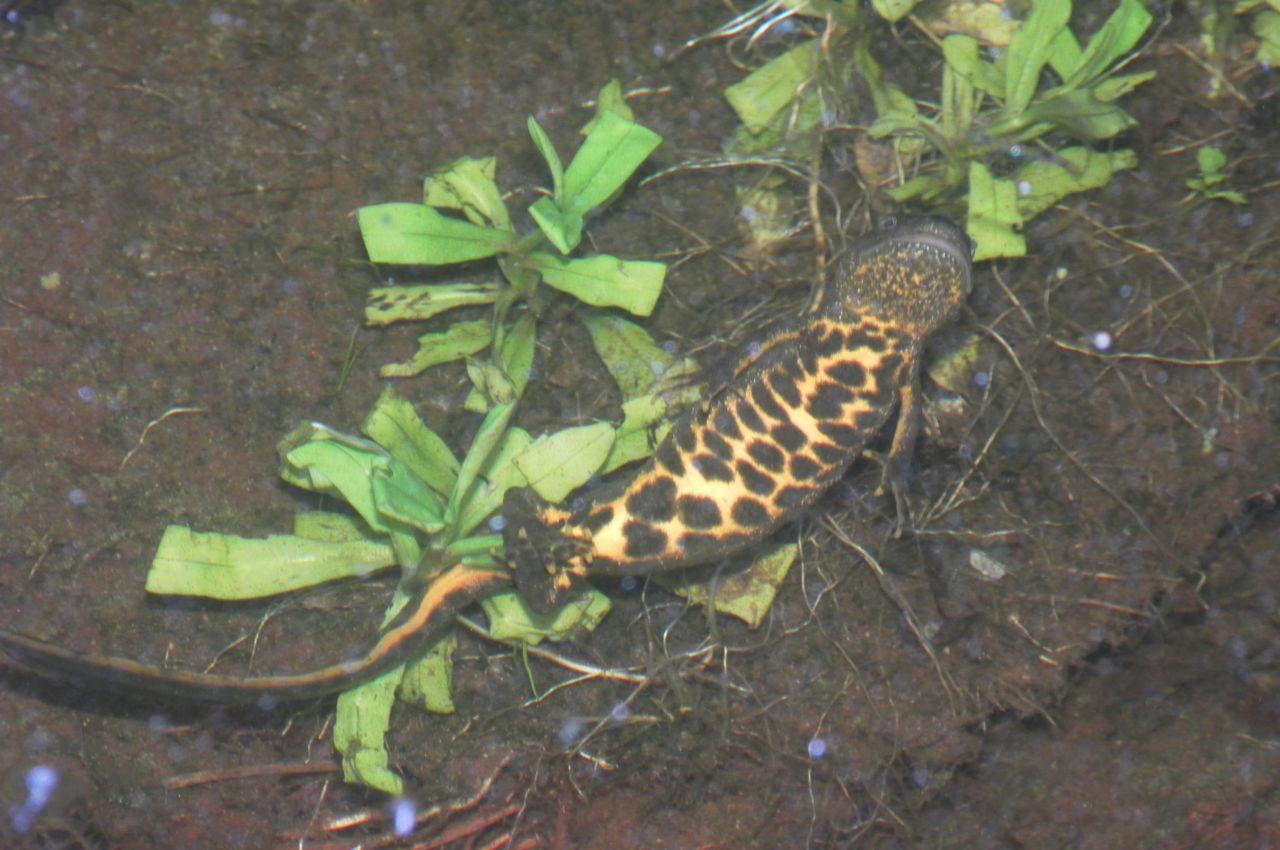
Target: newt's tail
x=546 y=557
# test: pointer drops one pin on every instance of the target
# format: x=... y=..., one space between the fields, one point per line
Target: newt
x=799 y=409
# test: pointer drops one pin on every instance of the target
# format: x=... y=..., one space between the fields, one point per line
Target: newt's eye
x=888 y=223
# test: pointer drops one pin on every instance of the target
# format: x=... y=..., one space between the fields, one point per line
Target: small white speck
x=41 y=780
x=403 y=813
x=1101 y=340
x=85 y=394
x=659 y=51
x=78 y=497
x=981 y=379
x=817 y=748
x=748 y=213
x=619 y=712
x=497 y=522
x=1024 y=188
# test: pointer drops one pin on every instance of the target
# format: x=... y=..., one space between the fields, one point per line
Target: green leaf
x=1064 y=53
x=746 y=595
x=609 y=99
x=1211 y=160
x=516 y=356
x=402 y=496
x=511 y=620
x=893 y=10
x=557 y=464
x=516 y=351
x=958 y=97
x=1079 y=113
x=329 y=466
x=1266 y=26
x=1119 y=85
x=643 y=427
x=329 y=527
x=772 y=87
x=548 y=150
x=389 y=304
x=628 y=352
x=888 y=99
x=611 y=153
x=993 y=216
x=1042 y=183
x=488 y=436
x=224 y=566
x=428 y=682
x=488 y=377
x=1029 y=51
x=359 y=733
x=467 y=184
x=394 y=425
x=645 y=418
x=562 y=228
x=1113 y=39
x=411 y=234
x=604 y=281
x=498 y=475
x=460 y=340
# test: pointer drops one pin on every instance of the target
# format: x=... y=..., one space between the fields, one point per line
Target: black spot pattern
x=804 y=467
x=682 y=434
x=868 y=421
x=767 y=404
x=598 y=518
x=785 y=386
x=862 y=338
x=828 y=454
x=828 y=401
x=767 y=455
x=712 y=467
x=789 y=437
x=725 y=424
x=848 y=372
x=843 y=435
x=668 y=456
x=884 y=394
x=717 y=445
x=654 y=501
x=791 y=497
x=749 y=418
x=830 y=343
x=698 y=512
x=809 y=360
x=750 y=513
x=753 y=479
x=643 y=541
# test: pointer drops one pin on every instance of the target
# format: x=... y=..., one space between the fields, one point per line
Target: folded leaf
x=224 y=566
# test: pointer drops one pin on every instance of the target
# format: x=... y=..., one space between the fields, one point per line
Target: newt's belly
x=799 y=410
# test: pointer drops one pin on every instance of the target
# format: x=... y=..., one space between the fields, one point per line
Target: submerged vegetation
x=1021 y=106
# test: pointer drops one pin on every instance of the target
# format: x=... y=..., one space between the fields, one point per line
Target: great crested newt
x=799 y=409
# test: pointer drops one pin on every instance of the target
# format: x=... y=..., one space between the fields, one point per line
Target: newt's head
x=912 y=273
